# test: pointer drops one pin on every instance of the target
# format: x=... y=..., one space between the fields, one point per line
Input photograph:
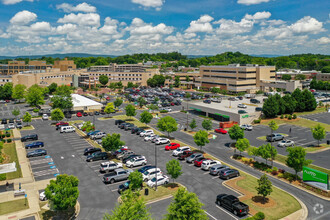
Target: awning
x=8 y=168
x=218 y=114
x=196 y=109
x=225 y=116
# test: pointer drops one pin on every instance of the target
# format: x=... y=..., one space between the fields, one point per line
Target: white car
x=247 y=127
x=146 y=132
x=149 y=137
x=98 y=135
x=151 y=173
x=285 y=143
x=11 y=126
x=161 y=180
x=136 y=162
x=180 y=150
x=162 y=141
x=207 y=164
x=44 y=117
x=241 y=106
x=42 y=196
x=168 y=109
x=110 y=166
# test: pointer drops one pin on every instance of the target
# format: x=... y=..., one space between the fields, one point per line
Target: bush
x=2 y=140
x=280 y=175
x=183 y=111
x=290 y=179
x=269 y=170
x=237 y=157
x=285 y=116
x=35 y=110
x=275 y=169
x=7 y=134
x=281 y=171
x=259 y=216
x=3 y=177
x=290 y=117
x=294 y=116
x=274 y=172
x=3 y=136
x=163 y=111
x=282 y=116
x=257 y=121
x=246 y=160
x=8 y=140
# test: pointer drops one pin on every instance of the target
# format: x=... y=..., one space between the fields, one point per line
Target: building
x=293 y=72
x=81 y=103
x=14 y=67
x=113 y=67
x=191 y=84
x=323 y=76
x=65 y=65
x=235 y=77
x=5 y=79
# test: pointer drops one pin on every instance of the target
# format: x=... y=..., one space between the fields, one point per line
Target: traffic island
x=163 y=192
x=264 y=138
x=104 y=118
x=28 y=127
x=317 y=149
x=192 y=133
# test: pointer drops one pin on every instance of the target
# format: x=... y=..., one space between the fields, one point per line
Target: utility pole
x=156 y=166
x=187 y=117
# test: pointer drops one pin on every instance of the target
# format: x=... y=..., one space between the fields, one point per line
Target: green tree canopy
x=19 y=91
x=130 y=110
x=309 y=100
x=253 y=151
x=207 y=124
x=215 y=90
x=103 y=79
x=319 y=133
x=264 y=152
x=136 y=180
x=63 y=192
x=177 y=81
x=289 y=103
x=109 y=108
x=57 y=115
x=35 y=96
x=88 y=126
x=167 y=124
x=201 y=138
x=141 y=101
x=264 y=187
x=118 y=102
x=242 y=144
x=112 y=142
x=273 y=126
x=7 y=91
x=185 y=205
x=297 y=95
x=236 y=133
x=286 y=77
x=271 y=107
x=272 y=151
x=62 y=98
x=16 y=112
x=193 y=124
x=52 y=88
x=173 y=168
x=300 y=77
x=296 y=158
x=146 y=117
x=27 y=118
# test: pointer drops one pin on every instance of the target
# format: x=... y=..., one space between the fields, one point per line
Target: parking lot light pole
x=187 y=117
x=156 y=166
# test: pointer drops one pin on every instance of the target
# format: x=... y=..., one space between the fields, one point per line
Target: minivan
x=67 y=129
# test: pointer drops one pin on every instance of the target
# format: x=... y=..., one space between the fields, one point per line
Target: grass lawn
x=162 y=191
x=134 y=121
x=281 y=158
x=76 y=122
x=299 y=122
x=10 y=150
x=263 y=138
x=28 y=127
x=104 y=118
x=285 y=204
x=313 y=149
x=13 y=206
x=317 y=110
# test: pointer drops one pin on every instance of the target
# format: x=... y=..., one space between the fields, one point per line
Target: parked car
x=91 y=150
x=233 y=99
x=97 y=113
x=218 y=100
x=67 y=129
x=118 y=122
x=146 y=132
x=91 y=113
x=185 y=154
x=241 y=106
x=255 y=101
x=198 y=162
x=242 y=112
x=29 y=137
x=85 y=114
x=98 y=135
x=109 y=166
x=274 y=137
x=124 y=154
x=145 y=168
x=130 y=157
x=19 y=125
x=258 y=109
x=11 y=126
x=122 y=125
x=34 y=145
x=172 y=146
x=247 y=127
x=92 y=133
x=233 y=204
x=179 y=150
x=134 y=130
x=139 y=131
x=151 y=173
x=207 y=101
x=123 y=187
x=285 y=143
x=45 y=117
x=227 y=174
x=42 y=196
x=117 y=175
x=207 y=164
x=193 y=157
x=61 y=124
x=221 y=131
x=37 y=152
x=162 y=141
x=97 y=156
x=149 y=137
x=240 y=97
x=137 y=161
x=215 y=170
x=159 y=180
x=129 y=126
x=79 y=114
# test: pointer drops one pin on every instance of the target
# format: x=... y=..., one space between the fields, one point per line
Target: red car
x=62 y=123
x=198 y=162
x=221 y=130
x=79 y=114
x=172 y=146
x=172 y=103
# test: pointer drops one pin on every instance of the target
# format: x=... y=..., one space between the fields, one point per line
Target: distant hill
x=57 y=55
x=265 y=55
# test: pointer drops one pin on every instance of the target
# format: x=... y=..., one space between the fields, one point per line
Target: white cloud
x=258 y=15
x=84 y=7
x=41 y=27
x=230 y=27
x=251 y=2
x=323 y=40
x=90 y=19
x=201 y=25
x=150 y=3
x=12 y=2
x=139 y=27
x=307 y=25
x=272 y=22
x=23 y=17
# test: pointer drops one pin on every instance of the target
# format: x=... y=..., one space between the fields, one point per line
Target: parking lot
x=7 y=108
x=323 y=117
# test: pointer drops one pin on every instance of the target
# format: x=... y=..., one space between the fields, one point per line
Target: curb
x=160 y=199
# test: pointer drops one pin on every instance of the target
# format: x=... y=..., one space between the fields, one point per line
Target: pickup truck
x=117 y=175
x=233 y=204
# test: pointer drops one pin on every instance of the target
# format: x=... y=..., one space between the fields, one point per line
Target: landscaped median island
x=264 y=138
x=317 y=149
x=28 y=127
x=13 y=206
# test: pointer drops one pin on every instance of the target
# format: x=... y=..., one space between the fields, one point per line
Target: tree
x=270 y=107
x=253 y=151
x=109 y=108
x=112 y=142
x=300 y=77
x=62 y=98
x=286 y=77
x=63 y=192
x=187 y=95
x=103 y=79
x=88 y=126
x=187 y=78
x=173 y=168
x=177 y=81
x=309 y=100
x=35 y=96
x=193 y=124
x=132 y=207
x=264 y=187
x=289 y=103
x=119 y=85
x=272 y=151
x=296 y=159
x=52 y=88
x=297 y=95
x=207 y=124
x=16 y=112
x=215 y=90
x=167 y=124
x=273 y=126
x=7 y=91
x=281 y=104
x=136 y=180
x=118 y=102
x=236 y=133
x=264 y=152
x=141 y=101
x=146 y=117
x=185 y=205
x=319 y=133
x=19 y=91
x=57 y=115
x=130 y=110
x=152 y=107
x=201 y=138
x=27 y=118
x=130 y=85
x=242 y=144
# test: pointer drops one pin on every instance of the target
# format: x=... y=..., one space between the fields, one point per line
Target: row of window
x=126 y=74
x=253 y=84
x=52 y=77
x=222 y=77
x=5 y=80
x=22 y=67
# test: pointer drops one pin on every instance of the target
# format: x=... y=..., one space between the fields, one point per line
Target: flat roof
x=80 y=101
x=8 y=168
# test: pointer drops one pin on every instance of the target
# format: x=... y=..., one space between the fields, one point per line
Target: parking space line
x=215 y=177
x=198 y=168
x=222 y=209
x=45 y=172
x=210 y=215
x=191 y=165
x=48 y=166
x=206 y=173
x=36 y=162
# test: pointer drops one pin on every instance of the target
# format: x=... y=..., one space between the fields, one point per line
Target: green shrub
x=290 y=117
x=3 y=136
x=294 y=116
x=269 y=170
x=8 y=140
x=259 y=216
x=35 y=110
x=183 y=111
x=282 y=116
x=257 y=121
x=275 y=169
x=290 y=179
x=285 y=116
x=3 y=177
x=163 y=111
x=7 y=134
x=280 y=175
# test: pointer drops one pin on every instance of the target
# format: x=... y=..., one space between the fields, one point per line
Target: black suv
x=29 y=137
x=97 y=156
x=4 y=121
x=255 y=101
x=118 y=122
x=90 y=150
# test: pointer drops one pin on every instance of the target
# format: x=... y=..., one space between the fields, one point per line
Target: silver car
x=215 y=170
x=193 y=157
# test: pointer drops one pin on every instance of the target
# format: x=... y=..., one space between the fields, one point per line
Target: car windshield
x=146 y=173
x=153 y=179
x=104 y=165
x=126 y=184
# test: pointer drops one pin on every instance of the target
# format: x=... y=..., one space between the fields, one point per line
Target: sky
x=192 y=27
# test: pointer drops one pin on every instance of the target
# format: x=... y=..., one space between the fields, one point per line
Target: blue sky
x=196 y=27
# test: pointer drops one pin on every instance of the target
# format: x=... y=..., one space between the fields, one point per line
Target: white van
x=67 y=129
x=151 y=173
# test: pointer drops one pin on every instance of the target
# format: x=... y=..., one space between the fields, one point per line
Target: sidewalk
x=27 y=182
